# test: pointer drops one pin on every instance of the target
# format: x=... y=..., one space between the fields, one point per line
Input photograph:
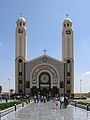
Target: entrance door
x=44 y=91
x=44 y=83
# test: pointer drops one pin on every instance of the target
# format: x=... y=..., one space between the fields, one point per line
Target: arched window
x=20 y=60
x=64 y=25
x=68 y=61
x=23 y=24
x=20 y=23
x=67 y=24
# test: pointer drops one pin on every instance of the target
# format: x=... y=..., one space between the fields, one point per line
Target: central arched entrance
x=44 y=83
x=44 y=80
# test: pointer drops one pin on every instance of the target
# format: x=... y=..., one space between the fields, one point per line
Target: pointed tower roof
x=67 y=19
x=21 y=18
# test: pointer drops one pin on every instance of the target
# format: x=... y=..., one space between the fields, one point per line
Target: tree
x=0 y=89
x=11 y=91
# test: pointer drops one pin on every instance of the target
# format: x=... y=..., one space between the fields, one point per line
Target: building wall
x=28 y=66
x=57 y=65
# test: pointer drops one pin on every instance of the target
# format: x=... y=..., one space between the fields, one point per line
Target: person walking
x=35 y=98
x=61 y=101
x=65 y=102
x=44 y=99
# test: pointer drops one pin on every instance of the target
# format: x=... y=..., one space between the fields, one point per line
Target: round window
x=68 y=32
x=20 y=60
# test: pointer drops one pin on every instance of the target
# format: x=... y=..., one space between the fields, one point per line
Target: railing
x=11 y=109
x=86 y=107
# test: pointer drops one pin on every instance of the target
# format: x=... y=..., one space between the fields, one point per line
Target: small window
x=20 y=81
x=20 y=90
x=27 y=84
x=68 y=81
x=68 y=61
x=68 y=91
x=23 y=24
x=20 y=24
x=68 y=32
x=20 y=73
x=67 y=24
x=64 y=25
x=19 y=30
x=68 y=73
x=20 y=60
x=61 y=84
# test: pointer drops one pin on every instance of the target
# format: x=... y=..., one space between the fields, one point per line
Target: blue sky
x=44 y=30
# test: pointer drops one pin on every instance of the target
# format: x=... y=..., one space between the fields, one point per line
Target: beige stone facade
x=44 y=75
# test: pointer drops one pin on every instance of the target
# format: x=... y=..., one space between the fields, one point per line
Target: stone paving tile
x=48 y=111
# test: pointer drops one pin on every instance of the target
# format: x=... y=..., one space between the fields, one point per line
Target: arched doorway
x=44 y=83
x=44 y=80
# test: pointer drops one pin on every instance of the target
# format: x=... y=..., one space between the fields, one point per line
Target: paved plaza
x=48 y=111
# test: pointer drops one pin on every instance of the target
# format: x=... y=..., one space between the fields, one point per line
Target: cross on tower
x=44 y=51
x=21 y=14
x=67 y=15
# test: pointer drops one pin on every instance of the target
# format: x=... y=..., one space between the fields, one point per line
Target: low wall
x=86 y=107
x=81 y=95
x=11 y=109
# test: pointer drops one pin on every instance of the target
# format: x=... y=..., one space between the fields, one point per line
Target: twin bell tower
x=64 y=69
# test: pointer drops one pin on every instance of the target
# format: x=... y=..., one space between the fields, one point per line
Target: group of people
x=42 y=99
x=62 y=101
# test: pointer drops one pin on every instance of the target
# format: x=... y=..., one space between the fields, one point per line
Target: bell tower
x=20 y=54
x=21 y=38
x=68 y=56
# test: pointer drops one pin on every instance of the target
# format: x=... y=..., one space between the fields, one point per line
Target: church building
x=44 y=75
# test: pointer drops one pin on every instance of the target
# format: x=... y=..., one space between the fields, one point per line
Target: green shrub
x=83 y=103
x=9 y=104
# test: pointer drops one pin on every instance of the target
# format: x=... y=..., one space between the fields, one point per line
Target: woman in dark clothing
x=65 y=102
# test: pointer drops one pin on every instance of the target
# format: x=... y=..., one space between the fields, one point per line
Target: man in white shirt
x=61 y=101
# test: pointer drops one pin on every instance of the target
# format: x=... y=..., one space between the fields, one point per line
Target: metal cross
x=67 y=15
x=21 y=14
x=44 y=51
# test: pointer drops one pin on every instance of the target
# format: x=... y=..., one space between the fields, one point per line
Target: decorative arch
x=42 y=72
x=44 y=67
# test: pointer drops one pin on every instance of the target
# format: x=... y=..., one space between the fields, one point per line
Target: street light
x=80 y=88
x=9 y=88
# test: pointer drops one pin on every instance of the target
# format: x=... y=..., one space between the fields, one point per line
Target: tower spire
x=67 y=15
x=21 y=14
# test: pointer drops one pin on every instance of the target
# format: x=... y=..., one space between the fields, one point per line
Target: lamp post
x=80 y=88
x=9 y=87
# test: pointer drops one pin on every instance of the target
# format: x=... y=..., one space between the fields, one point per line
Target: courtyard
x=47 y=111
